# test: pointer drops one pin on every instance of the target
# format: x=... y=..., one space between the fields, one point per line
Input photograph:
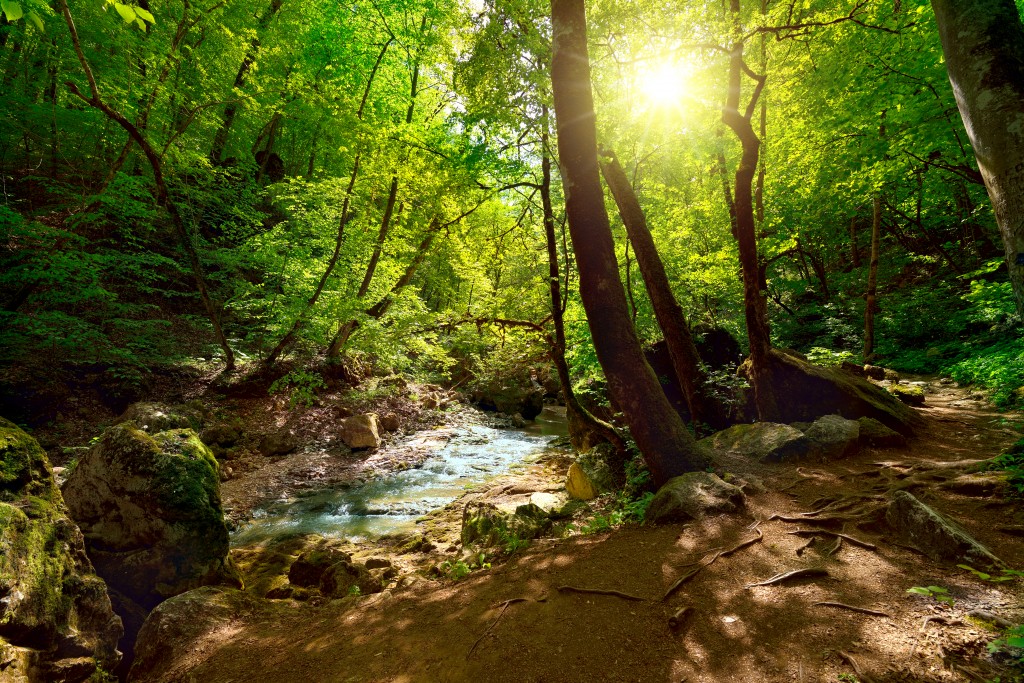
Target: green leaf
x=126 y=12
x=35 y=19
x=11 y=9
x=145 y=15
x=919 y=590
x=141 y=24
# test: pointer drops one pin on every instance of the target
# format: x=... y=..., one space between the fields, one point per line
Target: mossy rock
x=150 y=510
x=154 y=418
x=24 y=468
x=52 y=602
x=908 y=394
x=763 y=441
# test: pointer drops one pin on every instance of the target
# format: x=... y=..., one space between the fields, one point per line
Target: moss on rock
x=52 y=602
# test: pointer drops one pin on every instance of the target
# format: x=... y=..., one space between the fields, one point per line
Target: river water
x=392 y=503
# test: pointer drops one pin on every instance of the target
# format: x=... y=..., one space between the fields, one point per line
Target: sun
x=664 y=84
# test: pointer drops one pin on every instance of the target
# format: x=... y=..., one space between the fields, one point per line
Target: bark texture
x=704 y=410
x=983 y=42
x=667 y=447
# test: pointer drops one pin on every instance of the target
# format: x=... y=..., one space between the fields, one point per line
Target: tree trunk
x=339 y=241
x=871 y=307
x=162 y=196
x=704 y=410
x=983 y=42
x=667 y=447
x=758 y=333
x=220 y=139
x=584 y=429
x=854 y=248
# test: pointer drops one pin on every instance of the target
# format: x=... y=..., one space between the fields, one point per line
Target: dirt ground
x=521 y=621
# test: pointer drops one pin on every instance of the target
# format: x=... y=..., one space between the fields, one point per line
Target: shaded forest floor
x=513 y=623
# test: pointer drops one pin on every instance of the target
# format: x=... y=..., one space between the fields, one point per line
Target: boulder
x=833 y=436
x=874 y=433
x=176 y=627
x=157 y=417
x=151 y=514
x=806 y=392
x=309 y=568
x=510 y=396
x=938 y=537
x=853 y=368
x=278 y=443
x=224 y=434
x=911 y=395
x=764 y=441
x=56 y=621
x=485 y=525
x=694 y=495
x=360 y=431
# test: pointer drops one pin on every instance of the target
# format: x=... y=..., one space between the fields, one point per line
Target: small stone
x=911 y=395
x=279 y=443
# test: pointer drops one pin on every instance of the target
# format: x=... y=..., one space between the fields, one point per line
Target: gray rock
x=694 y=495
x=874 y=433
x=278 y=443
x=834 y=436
x=764 y=441
x=941 y=539
x=360 y=431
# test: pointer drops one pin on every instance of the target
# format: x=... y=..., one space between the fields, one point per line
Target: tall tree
x=667 y=447
x=983 y=42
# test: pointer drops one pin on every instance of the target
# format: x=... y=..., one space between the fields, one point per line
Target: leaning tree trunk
x=585 y=429
x=667 y=447
x=871 y=306
x=704 y=409
x=983 y=42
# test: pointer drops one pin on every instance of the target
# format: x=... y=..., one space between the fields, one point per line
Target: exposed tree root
x=786 y=576
x=702 y=564
x=677 y=619
x=852 y=608
x=599 y=591
x=861 y=676
x=940 y=620
x=845 y=537
x=494 y=623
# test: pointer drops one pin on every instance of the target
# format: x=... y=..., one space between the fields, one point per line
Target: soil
x=516 y=621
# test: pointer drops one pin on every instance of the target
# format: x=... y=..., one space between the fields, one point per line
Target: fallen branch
x=677 y=619
x=845 y=537
x=852 y=608
x=786 y=576
x=599 y=591
x=494 y=623
x=940 y=620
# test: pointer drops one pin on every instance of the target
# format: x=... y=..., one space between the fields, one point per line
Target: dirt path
x=513 y=623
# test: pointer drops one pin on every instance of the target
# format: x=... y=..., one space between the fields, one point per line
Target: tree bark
x=584 y=429
x=704 y=410
x=758 y=333
x=667 y=447
x=983 y=42
x=871 y=307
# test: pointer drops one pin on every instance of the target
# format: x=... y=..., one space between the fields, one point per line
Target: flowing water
x=392 y=503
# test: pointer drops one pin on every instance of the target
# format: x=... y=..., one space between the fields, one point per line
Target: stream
x=393 y=502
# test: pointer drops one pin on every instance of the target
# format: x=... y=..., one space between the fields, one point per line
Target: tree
x=983 y=42
x=667 y=447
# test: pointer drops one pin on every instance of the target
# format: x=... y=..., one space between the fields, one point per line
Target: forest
x=736 y=266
